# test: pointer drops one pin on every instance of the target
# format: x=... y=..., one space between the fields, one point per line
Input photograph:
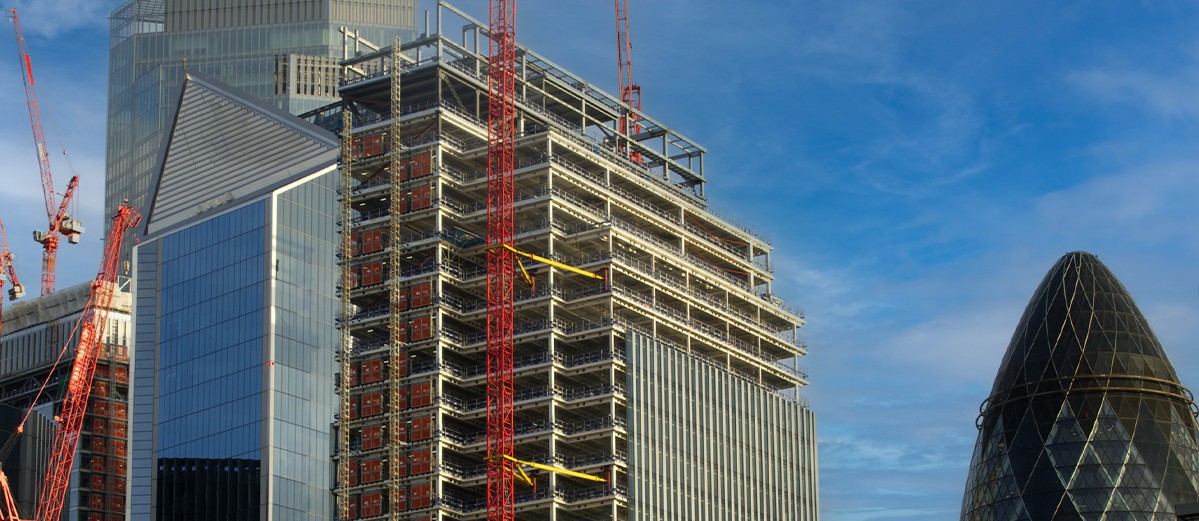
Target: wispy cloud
x=1140 y=206
x=53 y=18
x=1166 y=90
x=72 y=98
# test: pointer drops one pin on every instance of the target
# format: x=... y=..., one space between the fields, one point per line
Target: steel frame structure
x=673 y=270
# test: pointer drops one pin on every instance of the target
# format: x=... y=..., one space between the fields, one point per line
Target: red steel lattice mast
x=79 y=386
x=60 y=222
x=501 y=144
x=630 y=93
x=7 y=268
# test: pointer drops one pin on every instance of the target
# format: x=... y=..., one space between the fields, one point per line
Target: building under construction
x=35 y=332
x=650 y=350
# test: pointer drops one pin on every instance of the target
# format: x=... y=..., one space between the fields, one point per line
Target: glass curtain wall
x=206 y=344
x=284 y=52
x=304 y=404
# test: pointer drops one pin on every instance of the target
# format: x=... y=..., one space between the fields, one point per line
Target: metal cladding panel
x=142 y=390
x=225 y=148
x=1087 y=418
x=706 y=444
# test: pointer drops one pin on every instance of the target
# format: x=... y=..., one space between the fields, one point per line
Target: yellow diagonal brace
x=517 y=472
x=553 y=263
x=525 y=273
x=557 y=470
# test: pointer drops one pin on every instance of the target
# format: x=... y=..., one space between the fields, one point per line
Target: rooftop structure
x=1087 y=419
x=675 y=377
x=284 y=52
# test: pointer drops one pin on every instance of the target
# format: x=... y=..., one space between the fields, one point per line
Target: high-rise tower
x=232 y=393
x=674 y=376
x=1087 y=419
x=284 y=52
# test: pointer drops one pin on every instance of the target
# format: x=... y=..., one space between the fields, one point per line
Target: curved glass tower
x=1087 y=419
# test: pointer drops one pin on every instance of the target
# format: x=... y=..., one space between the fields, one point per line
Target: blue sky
x=919 y=165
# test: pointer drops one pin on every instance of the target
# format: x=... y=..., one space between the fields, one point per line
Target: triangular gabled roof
x=226 y=147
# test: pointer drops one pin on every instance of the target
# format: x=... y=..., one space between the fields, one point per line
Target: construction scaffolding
x=412 y=429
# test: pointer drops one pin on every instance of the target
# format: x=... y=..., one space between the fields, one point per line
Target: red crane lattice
x=60 y=223
x=79 y=385
x=501 y=143
x=630 y=93
x=7 y=269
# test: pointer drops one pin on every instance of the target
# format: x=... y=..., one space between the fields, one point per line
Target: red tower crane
x=92 y=326
x=501 y=150
x=61 y=223
x=6 y=268
x=630 y=93
x=79 y=385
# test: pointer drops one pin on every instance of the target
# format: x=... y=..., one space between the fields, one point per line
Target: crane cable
x=12 y=439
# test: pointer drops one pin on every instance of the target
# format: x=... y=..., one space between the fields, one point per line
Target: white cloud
x=1149 y=204
x=1167 y=94
x=52 y=18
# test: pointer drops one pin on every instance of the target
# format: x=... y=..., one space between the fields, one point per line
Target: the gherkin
x=1087 y=419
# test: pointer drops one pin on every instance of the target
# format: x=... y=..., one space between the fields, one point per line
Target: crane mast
x=6 y=268
x=60 y=223
x=501 y=145
x=630 y=93
x=79 y=385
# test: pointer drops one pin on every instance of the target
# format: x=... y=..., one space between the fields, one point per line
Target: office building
x=234 y=287
x=663 y=362
x=282 y=51
x=1087 y=419
x=35 y=332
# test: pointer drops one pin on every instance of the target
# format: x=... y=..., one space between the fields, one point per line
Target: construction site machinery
x=549 y=262
x=92 y=328
x=630 y=92
x=501 y=152
x=60 y=222
x=520 y=474
x=7 y=269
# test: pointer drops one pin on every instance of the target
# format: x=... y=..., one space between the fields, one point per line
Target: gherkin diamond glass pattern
x=1086 y=419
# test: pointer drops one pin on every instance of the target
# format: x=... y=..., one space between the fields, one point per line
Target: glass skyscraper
x=1087 y=419
x=282 y=51
x=233 y=365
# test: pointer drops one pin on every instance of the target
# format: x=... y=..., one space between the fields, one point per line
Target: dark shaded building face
x=1087 y=419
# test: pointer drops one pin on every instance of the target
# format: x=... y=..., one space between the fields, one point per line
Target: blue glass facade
x=207 y=393
x=303 y=403
x=284 y=52
x=234 y=366
x=210 y=343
